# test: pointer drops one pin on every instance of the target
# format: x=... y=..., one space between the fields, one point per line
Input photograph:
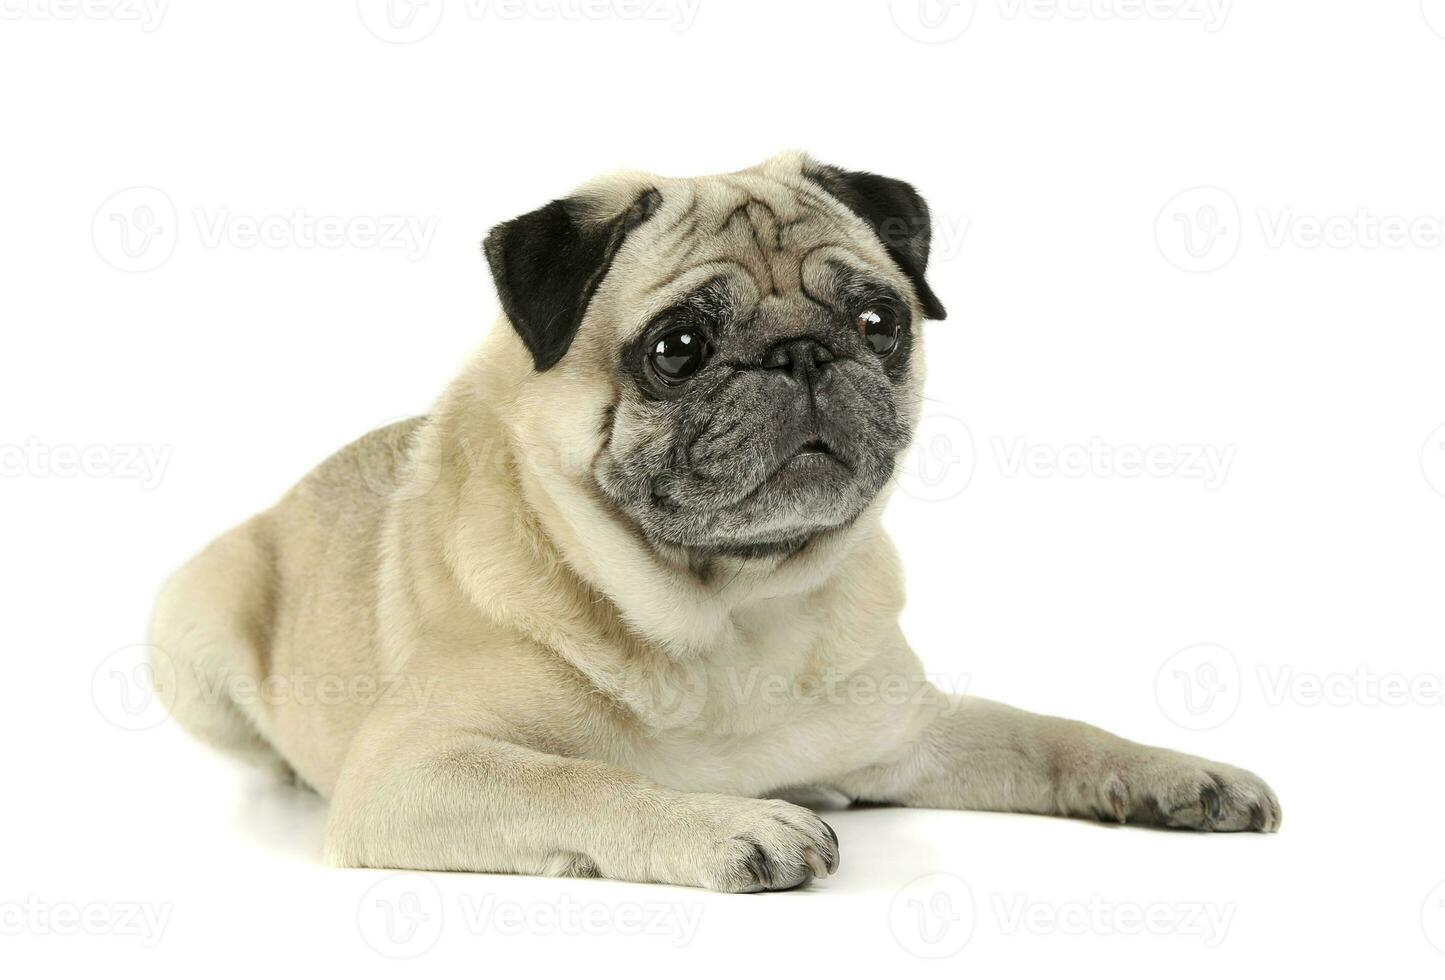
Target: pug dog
x=624 y=590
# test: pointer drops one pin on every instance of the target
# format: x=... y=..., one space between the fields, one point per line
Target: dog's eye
x=879 y=328
x=679 y=355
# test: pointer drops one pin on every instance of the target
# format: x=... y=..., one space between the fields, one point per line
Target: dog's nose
x=799 y=356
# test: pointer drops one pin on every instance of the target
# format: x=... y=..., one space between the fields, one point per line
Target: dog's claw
x=1118 y=796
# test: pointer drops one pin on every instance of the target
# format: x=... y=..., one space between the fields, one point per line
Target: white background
x=1091 y=306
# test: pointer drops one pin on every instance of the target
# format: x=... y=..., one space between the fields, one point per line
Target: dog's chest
x=782 y=707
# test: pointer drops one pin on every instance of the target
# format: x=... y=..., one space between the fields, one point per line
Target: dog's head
x=743 y=351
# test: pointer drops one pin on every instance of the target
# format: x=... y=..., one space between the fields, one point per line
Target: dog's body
x=584 y=614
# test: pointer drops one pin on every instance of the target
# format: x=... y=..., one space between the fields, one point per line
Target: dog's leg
x=204 y=644
x=979 y=755
x=458 y=800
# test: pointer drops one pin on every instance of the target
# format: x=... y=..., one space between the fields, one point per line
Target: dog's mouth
x=810 y=482
x=812 y=447
x=812 y=451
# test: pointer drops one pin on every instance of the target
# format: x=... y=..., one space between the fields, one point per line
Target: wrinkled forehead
x=768 y=236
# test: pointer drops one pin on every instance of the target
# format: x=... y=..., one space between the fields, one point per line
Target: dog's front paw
x=745 y=845
x=1168 y=789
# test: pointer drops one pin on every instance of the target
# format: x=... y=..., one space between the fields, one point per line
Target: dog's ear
x=547 y=264
x=897 y=215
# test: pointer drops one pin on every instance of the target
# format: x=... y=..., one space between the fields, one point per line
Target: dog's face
x=761 y=331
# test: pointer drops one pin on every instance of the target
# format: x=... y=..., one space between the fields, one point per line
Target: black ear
x=897 y=215
x=547 y=264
